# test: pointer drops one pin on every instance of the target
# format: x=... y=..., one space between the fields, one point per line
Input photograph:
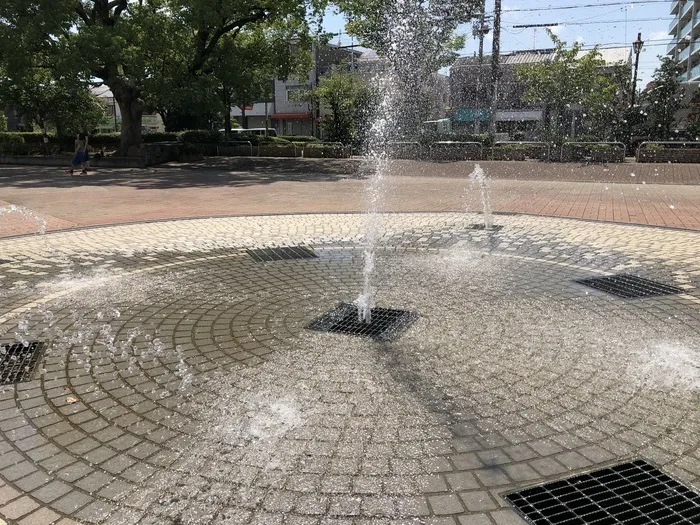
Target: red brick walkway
x=664 y=195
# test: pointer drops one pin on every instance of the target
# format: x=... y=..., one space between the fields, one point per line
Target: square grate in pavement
x=494 y=228
x=630 y=493
x=629 y=286
x=17 y=362
x=284 y=253
x=386 y=324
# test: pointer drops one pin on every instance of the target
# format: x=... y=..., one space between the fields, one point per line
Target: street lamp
x=637 y=45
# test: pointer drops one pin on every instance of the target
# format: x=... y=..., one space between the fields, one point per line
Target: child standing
x=80 y=157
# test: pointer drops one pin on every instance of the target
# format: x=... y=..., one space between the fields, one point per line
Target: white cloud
x=658 y=35
x=557 y=30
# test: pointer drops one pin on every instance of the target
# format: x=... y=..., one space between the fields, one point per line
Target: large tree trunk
x=131 y=106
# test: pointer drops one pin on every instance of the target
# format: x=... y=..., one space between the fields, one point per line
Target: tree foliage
x=347 y=98
x=694 y=115
x=573 y=79
x=411 y=31
x=141 y=49
x=48 y=102
x=662 y=99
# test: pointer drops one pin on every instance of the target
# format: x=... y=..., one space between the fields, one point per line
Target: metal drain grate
x=494 y=228
x=629 y=286
x=17 y=362
x=386 y=324
x=631 y=493
x=285 y=253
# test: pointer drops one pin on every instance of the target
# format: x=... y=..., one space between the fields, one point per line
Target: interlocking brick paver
x=447 y=504
x=18 y=508
x=435 y=426
x=42 y=516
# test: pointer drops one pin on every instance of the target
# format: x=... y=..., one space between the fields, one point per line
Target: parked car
x=271 y=132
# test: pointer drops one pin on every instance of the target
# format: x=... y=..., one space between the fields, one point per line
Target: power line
x=582 y=6
x=591 y=23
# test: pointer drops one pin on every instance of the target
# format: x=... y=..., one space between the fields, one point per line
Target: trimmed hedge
x=200 y=136
x=149 y=138
x=298 y=138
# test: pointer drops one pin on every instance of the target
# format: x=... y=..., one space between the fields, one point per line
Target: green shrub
x=200 y=136
x=3 y=122
x=13 y=144
x=11 y=138
x=273 y=140
x=515 y=147
x=159 y=137
x=30 y=137
x=299 y=138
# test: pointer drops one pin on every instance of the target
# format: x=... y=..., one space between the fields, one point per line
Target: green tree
x=3 y=122
x=347 y=98
x=124 y=44
x=694 y=115
x=663 y=99
x=48 y=102
x=427 y=28
x=571 y=80
x=245 y=67
x=416 y=38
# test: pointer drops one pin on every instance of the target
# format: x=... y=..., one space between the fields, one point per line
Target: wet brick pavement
x=180 y=385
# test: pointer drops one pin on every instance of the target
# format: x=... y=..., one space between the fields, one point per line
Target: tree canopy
x=572 y=79
x=662 y=99
x=148 y=52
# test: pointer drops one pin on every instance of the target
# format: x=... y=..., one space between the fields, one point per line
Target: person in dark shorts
x=81 y=156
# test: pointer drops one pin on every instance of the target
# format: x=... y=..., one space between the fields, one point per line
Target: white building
x=150 y=122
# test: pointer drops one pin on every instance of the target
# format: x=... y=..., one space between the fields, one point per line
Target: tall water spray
x=413 y=42
x=478 y=178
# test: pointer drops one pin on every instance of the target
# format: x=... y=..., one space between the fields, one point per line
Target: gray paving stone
x=345 y=506
x=52 y=491
x=478 y=501
x=432 y=483
x=95 y=512
x=446 y=504
x=520 y=472
x=19 y=470
x=461 y=481
x=19 y=508
x=42 y=516
x=507 y=517
x=94 y=482
x=33 y=481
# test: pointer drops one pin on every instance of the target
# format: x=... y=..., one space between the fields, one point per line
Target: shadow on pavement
x=213 y=172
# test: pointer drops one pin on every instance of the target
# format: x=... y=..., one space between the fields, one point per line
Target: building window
x=293 y=93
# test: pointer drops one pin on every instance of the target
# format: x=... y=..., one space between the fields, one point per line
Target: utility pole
x=495 y=69
x=480 y=30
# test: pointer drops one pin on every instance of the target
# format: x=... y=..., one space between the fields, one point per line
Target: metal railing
x=236 y=144
x=584 y=144
x=447 y=145
x=527 y=143
x=674 y=145
x=407 y=145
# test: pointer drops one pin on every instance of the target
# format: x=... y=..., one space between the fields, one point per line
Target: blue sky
x=594 y=24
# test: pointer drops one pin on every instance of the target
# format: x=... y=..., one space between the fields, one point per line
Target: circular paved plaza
x=180 y=385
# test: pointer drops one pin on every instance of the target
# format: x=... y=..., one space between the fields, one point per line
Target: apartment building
x=685 y=34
